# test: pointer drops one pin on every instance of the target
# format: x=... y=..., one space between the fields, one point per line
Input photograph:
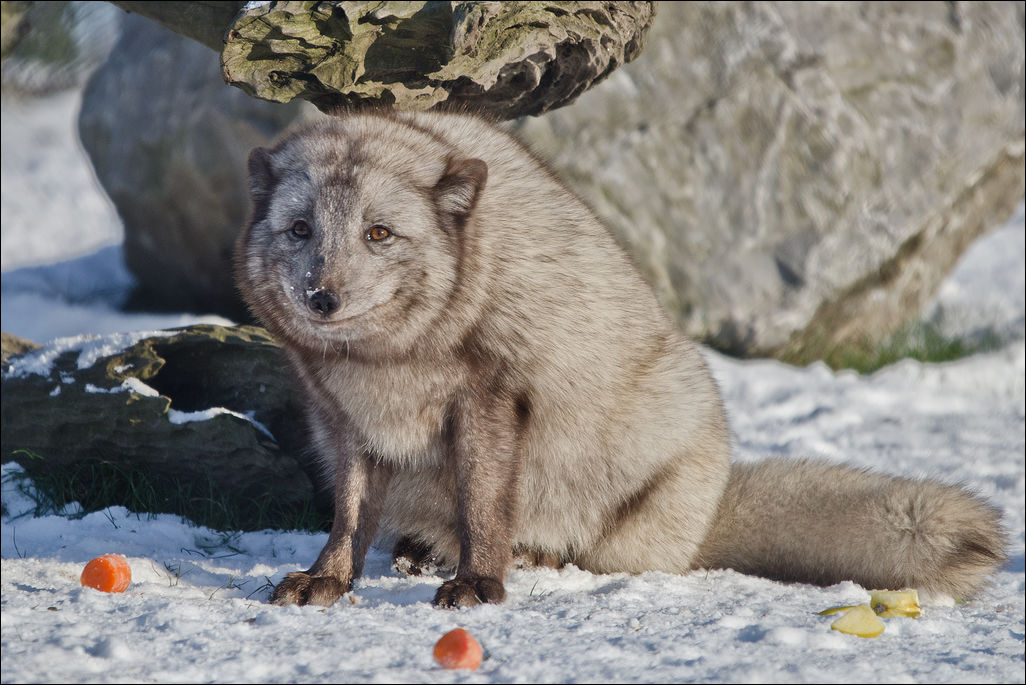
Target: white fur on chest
x=398 y=409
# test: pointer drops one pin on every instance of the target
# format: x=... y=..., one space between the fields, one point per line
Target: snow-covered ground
x=197 y=611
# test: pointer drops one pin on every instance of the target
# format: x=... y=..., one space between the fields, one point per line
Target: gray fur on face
x=485 y=371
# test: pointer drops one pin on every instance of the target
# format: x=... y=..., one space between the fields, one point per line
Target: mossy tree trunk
x=199 y=422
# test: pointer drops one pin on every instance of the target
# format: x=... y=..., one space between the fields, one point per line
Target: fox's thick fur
x=487 y=373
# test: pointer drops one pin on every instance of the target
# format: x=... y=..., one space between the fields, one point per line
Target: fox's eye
x=300 y=229
x=378 y=233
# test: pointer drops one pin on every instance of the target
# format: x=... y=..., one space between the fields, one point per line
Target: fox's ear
x=261 y=175
x=459 y=189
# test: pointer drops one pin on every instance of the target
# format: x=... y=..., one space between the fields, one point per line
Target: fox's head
x=356 y=231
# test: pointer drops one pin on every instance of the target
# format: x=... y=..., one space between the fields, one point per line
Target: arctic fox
x=486 y=373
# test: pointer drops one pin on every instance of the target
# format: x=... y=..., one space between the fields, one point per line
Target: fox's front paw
x=302 y=588
x=468 y=592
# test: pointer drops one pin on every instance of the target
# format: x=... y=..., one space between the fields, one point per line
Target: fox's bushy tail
x=814 y=522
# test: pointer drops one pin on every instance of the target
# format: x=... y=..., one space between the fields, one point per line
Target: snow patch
x=131 y=384
x=91 y=348
x=179 y=417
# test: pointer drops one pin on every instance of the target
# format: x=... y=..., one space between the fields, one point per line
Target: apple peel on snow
x=863 y=620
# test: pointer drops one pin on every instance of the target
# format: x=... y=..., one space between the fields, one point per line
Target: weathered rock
x=204 y=417
x=509 y=59
x=205 y=22
x=794 y=177
x=169 y=143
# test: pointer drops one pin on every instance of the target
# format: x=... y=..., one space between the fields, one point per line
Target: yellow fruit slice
x=895 y=603
x=835 y=610
x=861 y=621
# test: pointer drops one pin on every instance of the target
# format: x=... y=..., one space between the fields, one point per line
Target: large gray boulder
x=798 y=177
x=169 y=143
x=793 y=179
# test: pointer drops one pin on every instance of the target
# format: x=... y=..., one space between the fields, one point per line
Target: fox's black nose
x=324 y=302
